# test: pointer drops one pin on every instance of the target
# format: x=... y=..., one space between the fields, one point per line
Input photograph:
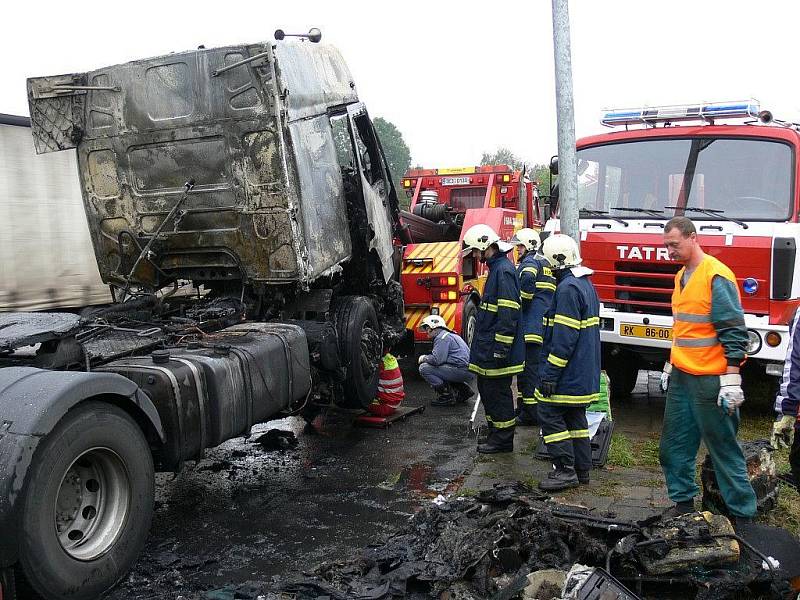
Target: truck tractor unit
x=250 y=175
x=733 y=170
x=444 y=204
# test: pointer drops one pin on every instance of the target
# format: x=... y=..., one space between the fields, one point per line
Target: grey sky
x=457 y=78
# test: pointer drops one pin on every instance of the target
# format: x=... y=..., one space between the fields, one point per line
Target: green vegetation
x=468 y=492
x=620 y=454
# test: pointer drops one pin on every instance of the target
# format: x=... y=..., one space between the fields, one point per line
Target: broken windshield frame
x=726 y=178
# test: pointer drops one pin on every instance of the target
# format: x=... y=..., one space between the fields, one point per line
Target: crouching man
x=446 y=368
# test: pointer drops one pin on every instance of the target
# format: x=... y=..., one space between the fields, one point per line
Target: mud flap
x=58 y=111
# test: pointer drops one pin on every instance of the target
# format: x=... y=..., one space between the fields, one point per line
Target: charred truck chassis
x=242 y=212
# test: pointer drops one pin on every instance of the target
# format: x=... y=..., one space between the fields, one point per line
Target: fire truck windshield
x=746 y=179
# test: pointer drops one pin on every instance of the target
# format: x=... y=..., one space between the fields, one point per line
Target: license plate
x=645 y=331
x=455 y=180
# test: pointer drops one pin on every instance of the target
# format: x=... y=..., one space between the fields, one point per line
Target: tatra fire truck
x=733 y=170
x=445 y=203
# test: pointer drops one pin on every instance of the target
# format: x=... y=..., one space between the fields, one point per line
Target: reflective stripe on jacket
x=537 y=286
x=696 y=349
x=390 y=383
x=571 y=350
x=498 y=327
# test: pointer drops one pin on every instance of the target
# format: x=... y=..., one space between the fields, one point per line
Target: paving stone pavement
x=630 y=493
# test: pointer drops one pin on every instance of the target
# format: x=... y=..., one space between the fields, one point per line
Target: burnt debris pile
x=486 y=547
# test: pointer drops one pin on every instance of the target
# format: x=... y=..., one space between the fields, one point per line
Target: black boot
x=561 y=478
x=527 y=416
x=463 y=391
x=444 y=396
x=498 y=440
x=678 y=509
x=583 y=477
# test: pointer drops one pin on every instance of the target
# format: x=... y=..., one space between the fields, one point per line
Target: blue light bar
x=681 y=112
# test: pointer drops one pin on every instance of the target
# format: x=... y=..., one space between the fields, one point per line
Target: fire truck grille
x=643 y=287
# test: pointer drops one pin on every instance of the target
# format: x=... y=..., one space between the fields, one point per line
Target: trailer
x=46 y=256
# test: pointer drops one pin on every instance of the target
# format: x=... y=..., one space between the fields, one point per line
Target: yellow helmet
x=527 y=237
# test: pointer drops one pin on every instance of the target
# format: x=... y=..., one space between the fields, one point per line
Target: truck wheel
x=623 y=371
x=468 y=321
x=88 y=504
x=360 y=347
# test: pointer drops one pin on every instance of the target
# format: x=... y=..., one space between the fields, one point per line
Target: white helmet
x=562 y=251
x=479 y=237
x=432 y=322
x=527 y=237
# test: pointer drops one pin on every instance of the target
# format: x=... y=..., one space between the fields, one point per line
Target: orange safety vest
x=695 y=346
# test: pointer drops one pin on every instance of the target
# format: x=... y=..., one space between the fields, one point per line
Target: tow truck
x=444 y=204
x=729 y=166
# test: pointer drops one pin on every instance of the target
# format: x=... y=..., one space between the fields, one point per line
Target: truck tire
x=623 y=371
x=360 y=348
x=88 y=504
x=469 y=319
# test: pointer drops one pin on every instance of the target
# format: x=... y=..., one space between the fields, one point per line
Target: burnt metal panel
x=323 y=211
x=314 y=77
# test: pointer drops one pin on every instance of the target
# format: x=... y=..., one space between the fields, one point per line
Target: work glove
x=782 y=432
x=547 y=388
x=500 y=352
x=665 y=376
x=731 y=396
x=422 y=359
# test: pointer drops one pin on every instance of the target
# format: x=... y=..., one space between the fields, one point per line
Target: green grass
x=468 y=492
x=646 y=453
x=620 y=454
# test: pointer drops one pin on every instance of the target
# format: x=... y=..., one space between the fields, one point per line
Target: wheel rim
x=92 y=504
x=470 y=333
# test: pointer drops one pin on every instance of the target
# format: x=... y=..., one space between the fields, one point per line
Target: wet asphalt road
x=246 y=514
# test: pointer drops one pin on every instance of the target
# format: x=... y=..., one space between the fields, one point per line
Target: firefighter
x=704 y=388
x=536 y=284
x=497 y=352
x=569 y=379
x=787 y=402
x=390 y=388
x=446 y=368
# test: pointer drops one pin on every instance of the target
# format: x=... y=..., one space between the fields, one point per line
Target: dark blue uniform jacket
x=537 y=285
x=571 y=350
x=498 y=328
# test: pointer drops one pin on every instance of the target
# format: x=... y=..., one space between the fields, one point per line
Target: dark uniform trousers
x=566 y=432
x=529 y=378
x=498 y=400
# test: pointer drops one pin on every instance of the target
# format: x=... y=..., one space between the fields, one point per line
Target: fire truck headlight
x=753 y=342
x=750 y=286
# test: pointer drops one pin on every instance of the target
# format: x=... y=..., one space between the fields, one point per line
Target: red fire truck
x=733 y=170
x=444 y=204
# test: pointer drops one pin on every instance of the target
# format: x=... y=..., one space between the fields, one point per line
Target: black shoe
x=740 y=522
x=583 y=477
x=678 y=509
x=498 y=440
x=444 y=396
x=559 y=479
x=463 y=391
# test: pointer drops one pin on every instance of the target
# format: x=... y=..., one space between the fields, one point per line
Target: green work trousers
x=692 y=414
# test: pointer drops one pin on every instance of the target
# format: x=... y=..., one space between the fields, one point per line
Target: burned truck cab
x=241 y=211
x=252 y=171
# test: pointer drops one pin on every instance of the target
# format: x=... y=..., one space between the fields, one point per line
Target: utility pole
x=565 y=115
